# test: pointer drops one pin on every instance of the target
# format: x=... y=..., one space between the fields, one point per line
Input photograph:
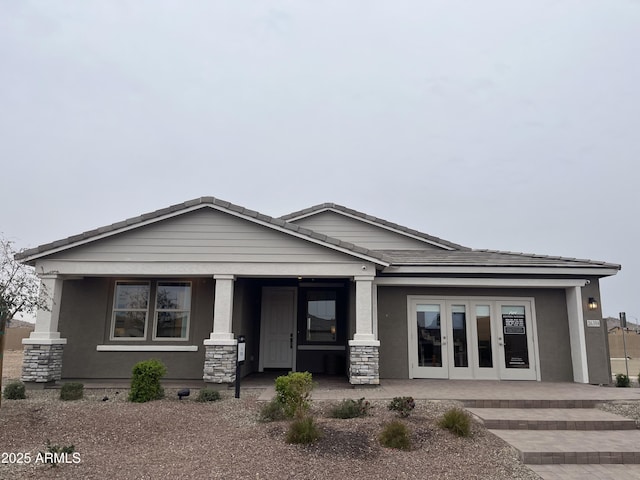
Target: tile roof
x=339 y=208
x=203 y=201
x=486 y=258
x=460 y=256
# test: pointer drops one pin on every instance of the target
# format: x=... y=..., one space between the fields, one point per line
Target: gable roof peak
x=340 y=209
x=194 y=204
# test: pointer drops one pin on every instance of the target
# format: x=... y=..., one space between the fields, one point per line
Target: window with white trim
x=132 y=309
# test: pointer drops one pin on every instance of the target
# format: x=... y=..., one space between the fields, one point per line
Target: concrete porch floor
x=337 y=387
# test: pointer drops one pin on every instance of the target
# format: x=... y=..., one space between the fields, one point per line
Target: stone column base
x=363 y=367
x=42 y=363
x=220 y=363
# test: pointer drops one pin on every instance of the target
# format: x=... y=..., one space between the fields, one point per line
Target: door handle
x=291 y=340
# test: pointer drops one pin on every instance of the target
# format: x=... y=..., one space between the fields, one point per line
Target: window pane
x=173 y=296
x=173 y=302
x=429 y=336
x=514 y=328
x=483 y=323
x=132 y=296
x=172 y=324
x=459 y=320
x=321 y=317
x=129 y=324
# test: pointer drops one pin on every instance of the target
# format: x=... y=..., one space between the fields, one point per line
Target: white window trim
x=112 y=330
x=155 y=314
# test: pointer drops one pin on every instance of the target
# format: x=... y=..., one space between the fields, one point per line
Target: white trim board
x=167 y=269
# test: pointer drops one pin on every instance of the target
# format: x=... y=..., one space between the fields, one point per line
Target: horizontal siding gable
x=360 y=232
x=205 y=235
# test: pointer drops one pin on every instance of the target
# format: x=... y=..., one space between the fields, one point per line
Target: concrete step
x=584 y=472
x=541 y=447
x=535 y=403
x=551 y=419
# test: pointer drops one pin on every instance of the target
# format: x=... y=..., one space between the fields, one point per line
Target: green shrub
x=71 y=391
x=272 y=411
x=622 y=380
x=402 y=405
x=14 y=391
x=208 y=395
x=395 y=434
x=457 y=421
x=145 y=383
x=57 y=451
x=349 y=408
x=303 y=430
x=293 y=392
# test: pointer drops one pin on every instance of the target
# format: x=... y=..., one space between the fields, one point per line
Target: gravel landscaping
x=186 y=439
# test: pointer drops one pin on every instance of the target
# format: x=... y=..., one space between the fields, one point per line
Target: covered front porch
x=324 y=325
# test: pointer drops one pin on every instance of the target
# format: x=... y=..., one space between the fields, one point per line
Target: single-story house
x=327 y=289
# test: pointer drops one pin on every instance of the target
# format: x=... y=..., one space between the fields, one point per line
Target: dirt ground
x=12 y=366
x=113 y=438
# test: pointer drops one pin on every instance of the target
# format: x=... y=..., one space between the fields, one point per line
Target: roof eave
x=584 y=270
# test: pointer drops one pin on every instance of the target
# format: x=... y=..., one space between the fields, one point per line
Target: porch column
x=221 y=347
x=577 y=335
x=363 y=349
x=42 y=361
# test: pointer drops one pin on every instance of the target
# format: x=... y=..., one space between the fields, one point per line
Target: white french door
x=464 y=338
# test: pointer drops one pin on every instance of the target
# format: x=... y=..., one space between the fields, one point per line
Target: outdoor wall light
x=593 y=303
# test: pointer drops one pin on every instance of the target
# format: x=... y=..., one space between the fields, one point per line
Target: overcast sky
x=494 y=124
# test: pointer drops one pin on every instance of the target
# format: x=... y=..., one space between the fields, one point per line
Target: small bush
x=145 y=383
x=14 y=391
x=208 y=395
x=395 y=435
x=349 y=408
x=57 y=451
x=72 y=391
x=303 y=430
x=293 y=392
x=402 y=405
x=622 y=380
x=272 y=411
x=457 y=421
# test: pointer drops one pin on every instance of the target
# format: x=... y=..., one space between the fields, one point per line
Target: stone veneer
x=42 y=363
x=363 y=369
x=220 y=363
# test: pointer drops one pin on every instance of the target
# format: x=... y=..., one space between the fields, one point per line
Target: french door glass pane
x=483 y=324
x=429 y=336
x=459 y=321
x=514 y=329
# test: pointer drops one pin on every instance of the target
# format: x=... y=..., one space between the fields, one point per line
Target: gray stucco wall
x=85 y=318
x=551 y=315
x=596 y=337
